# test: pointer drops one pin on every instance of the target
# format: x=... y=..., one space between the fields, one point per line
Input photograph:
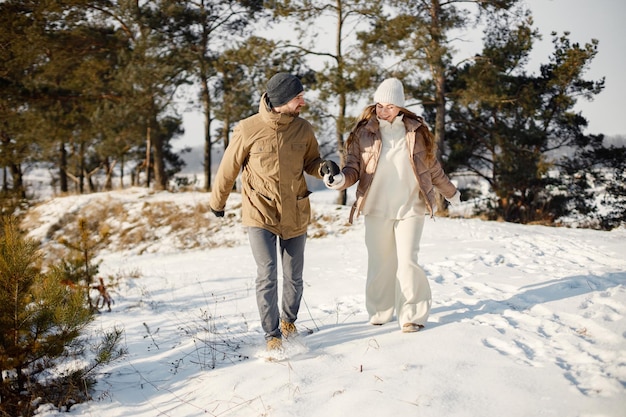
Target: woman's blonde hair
x=370 y=111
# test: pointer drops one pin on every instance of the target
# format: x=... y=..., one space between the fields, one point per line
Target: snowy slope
x=526 y=321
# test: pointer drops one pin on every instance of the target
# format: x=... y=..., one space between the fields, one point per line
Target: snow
x=526 y=321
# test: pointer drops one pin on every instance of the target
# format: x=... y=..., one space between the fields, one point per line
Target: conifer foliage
x=41 y=321
x=79 y=268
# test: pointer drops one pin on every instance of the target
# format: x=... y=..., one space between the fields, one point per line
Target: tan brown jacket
x=362 y=159
x=272 y=151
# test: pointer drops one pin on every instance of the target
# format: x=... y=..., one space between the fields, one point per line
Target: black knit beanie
x=283 y=87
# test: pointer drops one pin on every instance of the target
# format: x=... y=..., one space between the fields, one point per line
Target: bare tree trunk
x=160 y=177
x=437 y=70
x=109 y=166
x=148 y=149
x=206 y=106
x=341 y=117
x=63 y=168
x=122 y=172
x=81 y=168
x=18 y=180
x=89 y=178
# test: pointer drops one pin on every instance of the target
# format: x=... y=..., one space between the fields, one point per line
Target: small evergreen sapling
x=41 y=320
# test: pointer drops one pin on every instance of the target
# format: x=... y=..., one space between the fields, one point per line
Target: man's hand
x=218 y=213
x=331 y=169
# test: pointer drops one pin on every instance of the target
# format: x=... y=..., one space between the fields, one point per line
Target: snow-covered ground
x=526 y=321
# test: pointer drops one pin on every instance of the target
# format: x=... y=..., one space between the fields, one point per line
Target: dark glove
x=331 y=168
x=218 y=213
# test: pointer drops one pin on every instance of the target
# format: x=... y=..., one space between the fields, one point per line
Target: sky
x=585 y=20
x=526 y=321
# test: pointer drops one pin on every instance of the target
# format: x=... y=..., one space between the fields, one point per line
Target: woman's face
x=386 y=111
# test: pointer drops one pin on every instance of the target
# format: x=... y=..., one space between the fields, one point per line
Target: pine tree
x=347 y=71
x=80 y=268
x=203 y=30
x=42 y=321
x=39 y=317
x=415 y=41
x=514 y=129
x=243 y=72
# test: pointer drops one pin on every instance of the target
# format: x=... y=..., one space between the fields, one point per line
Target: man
x=273 y=149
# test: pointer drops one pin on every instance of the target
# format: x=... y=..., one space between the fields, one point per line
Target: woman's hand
x=333 y=177
x=455 y=200
x=334 y=182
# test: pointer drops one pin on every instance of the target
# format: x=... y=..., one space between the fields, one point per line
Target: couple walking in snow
x=390 y=152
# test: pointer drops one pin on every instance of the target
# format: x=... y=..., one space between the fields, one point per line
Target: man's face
x=292 y=108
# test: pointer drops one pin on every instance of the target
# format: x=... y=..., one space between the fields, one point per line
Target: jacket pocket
x=298 y=147
x=262 y=208
x=262 y=155
x=261 y=147
x=303 y=211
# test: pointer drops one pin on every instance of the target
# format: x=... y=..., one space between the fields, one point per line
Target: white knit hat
x=390 y=91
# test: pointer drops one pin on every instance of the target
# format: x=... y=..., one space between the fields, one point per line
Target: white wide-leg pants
x=394 y=278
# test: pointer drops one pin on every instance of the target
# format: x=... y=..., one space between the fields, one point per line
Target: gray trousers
x=263 y=245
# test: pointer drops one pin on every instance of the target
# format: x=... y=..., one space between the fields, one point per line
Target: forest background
x=93 y=92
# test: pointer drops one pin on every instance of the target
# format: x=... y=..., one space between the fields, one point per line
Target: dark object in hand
x=330 y=167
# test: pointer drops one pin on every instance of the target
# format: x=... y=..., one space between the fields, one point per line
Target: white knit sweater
x=394 y=193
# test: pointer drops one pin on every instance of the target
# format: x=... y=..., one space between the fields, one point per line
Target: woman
x=392 y=154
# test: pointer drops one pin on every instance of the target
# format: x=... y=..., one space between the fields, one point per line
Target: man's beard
x=295 y=113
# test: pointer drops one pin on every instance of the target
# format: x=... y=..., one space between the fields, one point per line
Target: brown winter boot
x=274 y=343
x=288 y=329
